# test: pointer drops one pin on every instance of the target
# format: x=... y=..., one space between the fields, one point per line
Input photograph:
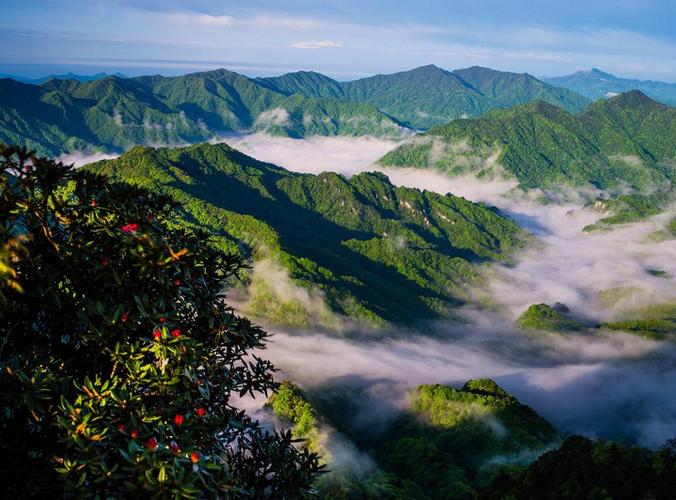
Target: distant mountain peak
x=428 y=68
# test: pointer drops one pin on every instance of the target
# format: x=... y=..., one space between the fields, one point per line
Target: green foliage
x=548 y=318
x=582 y=468
x=372 y=251
x=625 y=141
x=119 y=355
x=428 y=96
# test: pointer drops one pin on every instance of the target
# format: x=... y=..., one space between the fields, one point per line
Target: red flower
x=132 y=227
x=163 y=319
x=134 y=434
x=177 y=282
x=176 y=332
x=120 y=427
x=178 y=419
x=174 y=447
x=195 y=457
x=157 y=335
x=152 y=444
x=27 y=168
x=93 y=203
x=105 y=261
x=124 y=317
x=201 y=412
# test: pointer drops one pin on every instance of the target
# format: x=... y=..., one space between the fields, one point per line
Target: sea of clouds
x=615 y=385
x=602 y=385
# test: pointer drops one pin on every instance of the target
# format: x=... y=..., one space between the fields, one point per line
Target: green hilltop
x=448 y=443
x=367 y=249
x=626 y=141
x=477 y=441
x=549 y=318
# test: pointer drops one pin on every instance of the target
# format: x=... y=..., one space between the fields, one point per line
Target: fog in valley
x=602 y=385
x=614 y=386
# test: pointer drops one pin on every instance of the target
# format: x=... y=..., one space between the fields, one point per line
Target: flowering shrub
x=119 y=355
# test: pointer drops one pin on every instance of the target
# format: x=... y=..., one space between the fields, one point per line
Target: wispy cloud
x=284 y=22
x=323 y=44
x=202 y=20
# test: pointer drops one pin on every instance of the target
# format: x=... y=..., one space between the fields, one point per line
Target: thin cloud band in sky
x=343 y=39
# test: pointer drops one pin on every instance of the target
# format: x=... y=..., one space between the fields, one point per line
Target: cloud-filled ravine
x=603 y=385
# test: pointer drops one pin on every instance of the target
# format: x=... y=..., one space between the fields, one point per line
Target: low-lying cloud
x=79 y=158
x=609 y=385
x=613 y=386
x=344 y=155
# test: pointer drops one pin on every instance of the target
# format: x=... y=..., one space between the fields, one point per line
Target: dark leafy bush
x=119 y=356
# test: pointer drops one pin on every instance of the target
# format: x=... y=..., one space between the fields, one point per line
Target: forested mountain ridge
x=626 y=141
x=429 y=96
x=597 y=84
x=115 y=114
x=372 y=251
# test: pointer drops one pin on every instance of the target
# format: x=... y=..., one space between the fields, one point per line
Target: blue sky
x=342 y=38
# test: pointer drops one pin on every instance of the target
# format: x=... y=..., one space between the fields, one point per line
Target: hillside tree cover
x=449 y=443
x=372 y=251
x=583 y=468
x=625 y=142
x=119 y=355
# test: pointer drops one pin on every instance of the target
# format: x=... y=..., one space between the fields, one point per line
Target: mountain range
x=324 y=244
x=428 y=96
x=118 y=113
x=596 y=84
x=626 y=141
x=61 y=76
x=115 y=114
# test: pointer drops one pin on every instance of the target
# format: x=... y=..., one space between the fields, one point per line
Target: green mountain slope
x=428 y=96
x=597 y=84
x=582 y=468
x=115 y=113
x=307 y=83
x=370 y=250
x=626 y=141
x=449 y=442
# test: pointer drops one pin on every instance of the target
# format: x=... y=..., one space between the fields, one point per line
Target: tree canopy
x=119 y=356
